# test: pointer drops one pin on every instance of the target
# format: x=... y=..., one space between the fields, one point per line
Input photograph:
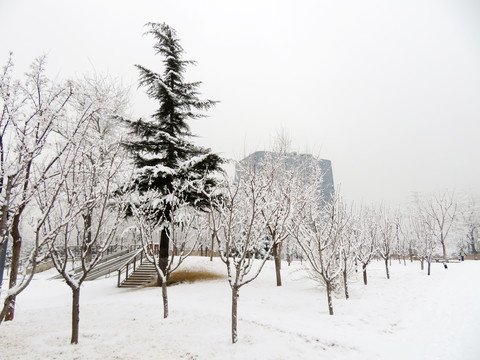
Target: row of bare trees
x=272 y=204
x=61 y=164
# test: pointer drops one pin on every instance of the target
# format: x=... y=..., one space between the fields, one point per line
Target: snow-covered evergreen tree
x=162 y=147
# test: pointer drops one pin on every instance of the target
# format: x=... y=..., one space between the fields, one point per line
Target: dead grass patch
x=191 y=276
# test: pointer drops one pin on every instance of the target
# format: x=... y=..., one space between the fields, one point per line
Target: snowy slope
x=411 y=316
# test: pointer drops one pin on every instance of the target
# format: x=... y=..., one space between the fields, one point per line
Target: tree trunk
x=3 y=258
x=87 y=225
x=16 y=249
x=345 y=283
x=474 y=249
x=75 y=314
x=6 y=201
x=364 y=267
x=421 y=264
x=386 y=268
x=329 y=298
x=211 y=250
x=428 y=267
x=6 y=306
x=165 y=299
x=442 y=240
x=278 y=262
x=234 y=314
x=163 y=253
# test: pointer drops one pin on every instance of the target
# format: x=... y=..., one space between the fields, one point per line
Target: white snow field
x=410 y=316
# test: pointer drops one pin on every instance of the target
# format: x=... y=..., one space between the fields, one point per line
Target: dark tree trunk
x=16 y=249
x=428 y=267
x=163 y=253
x=75 y=314
x=364 y=268
x=278 y=262
x=444 y=250
x=345 y=283
x=386 y=268
x=211 y=250
x=234 y=314
x=6 y=200
x=87 y=223
x=472 y=243
x=165 y=299
x=329 y=298
x=6 y=305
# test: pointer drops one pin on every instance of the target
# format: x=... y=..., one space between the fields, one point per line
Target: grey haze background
x=389 y=91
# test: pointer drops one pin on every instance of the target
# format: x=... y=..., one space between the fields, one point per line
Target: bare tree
x=39 y=252
x=277 y=211
x=442 y=208
x=80 y=246
x=93 y=172
x=11 y=104
x=425 y=232
x=365 y=233
x=470 y=222
x=30 y=112
x=291 y=250
x=387 y=230
x=347 y=247
x=102 y=100
x=185 y=230
x=240 y=229
x=405 y=243
x=319 y=232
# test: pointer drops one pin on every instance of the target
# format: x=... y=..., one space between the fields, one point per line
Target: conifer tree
x=162 y=147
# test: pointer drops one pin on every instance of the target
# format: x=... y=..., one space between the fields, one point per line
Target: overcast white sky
x=389 y=91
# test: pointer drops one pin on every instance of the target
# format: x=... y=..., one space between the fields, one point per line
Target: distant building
x=297 y=160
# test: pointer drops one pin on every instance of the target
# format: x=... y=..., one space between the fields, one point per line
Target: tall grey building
x=295 y=160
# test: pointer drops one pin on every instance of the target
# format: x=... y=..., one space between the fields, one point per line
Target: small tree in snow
x=347 y=247
x=83 y=195
x=31 y=110
x=280 y=199
x=365 y=234
x=93 y=174
x=405 y=243
x=319 y=231
x=386 y=239
x=42 y=236
x=239 y=227
x=442 y=208
x=470 y=223
x=424 y=228
x=185 y=230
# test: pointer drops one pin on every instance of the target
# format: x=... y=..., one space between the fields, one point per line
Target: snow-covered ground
x=410 y=316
